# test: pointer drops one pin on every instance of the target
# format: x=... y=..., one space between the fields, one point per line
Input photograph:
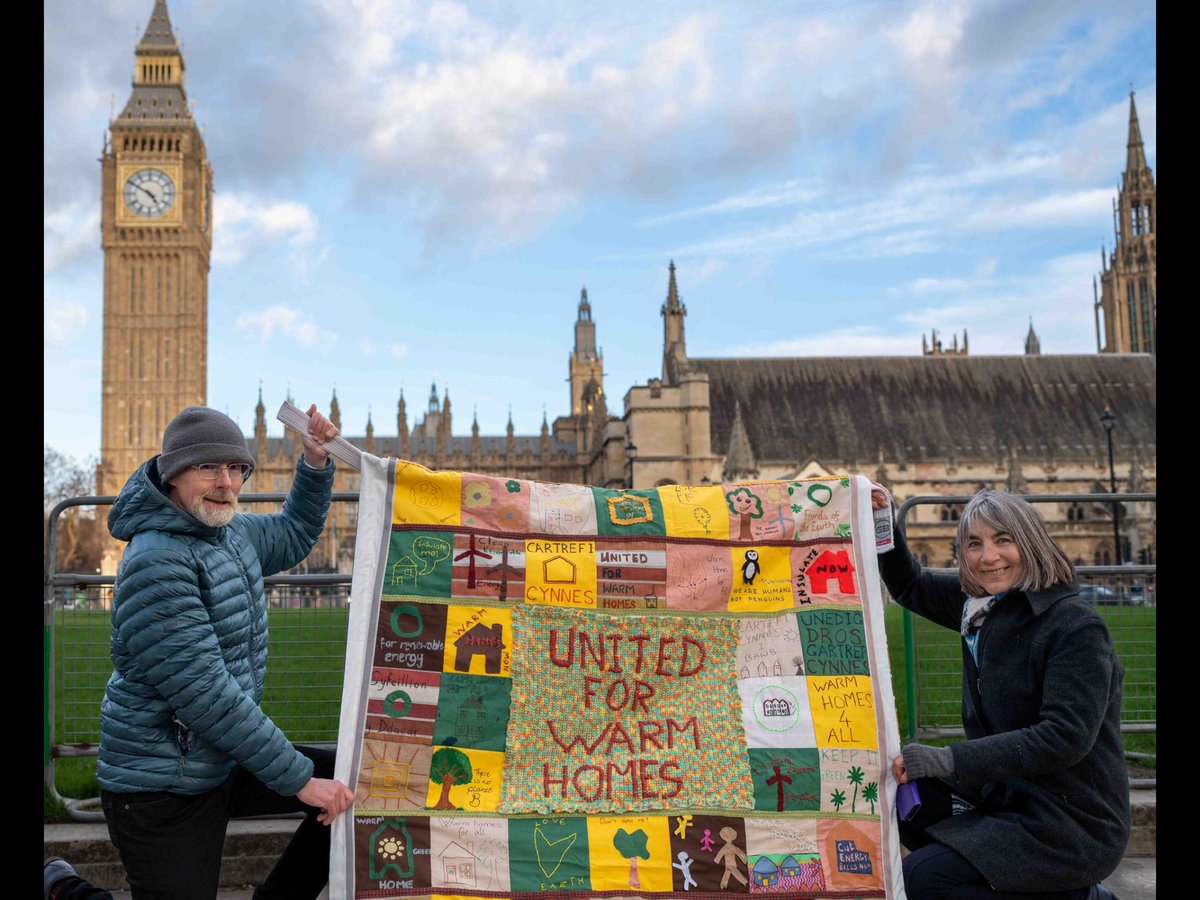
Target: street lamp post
x=630 y=451
x=1107 y=419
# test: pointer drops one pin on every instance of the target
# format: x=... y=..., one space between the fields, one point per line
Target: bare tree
x=80 y=530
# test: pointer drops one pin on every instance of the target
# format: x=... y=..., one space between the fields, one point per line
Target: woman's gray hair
x=1044 y=561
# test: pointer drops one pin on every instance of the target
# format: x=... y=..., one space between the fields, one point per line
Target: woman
x=1035 y=802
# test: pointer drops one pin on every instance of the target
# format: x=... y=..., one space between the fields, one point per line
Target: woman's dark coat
x=1042 y=716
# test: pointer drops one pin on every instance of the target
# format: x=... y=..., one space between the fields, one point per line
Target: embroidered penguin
x=750 y=569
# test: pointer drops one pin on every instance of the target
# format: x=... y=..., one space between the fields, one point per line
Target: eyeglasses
x=237 y=471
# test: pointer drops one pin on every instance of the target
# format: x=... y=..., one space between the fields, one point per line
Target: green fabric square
x=834 y=642
x=549 y=854
x=418 y=564
x=472 y=712
x=786 y=779
x=629 y=512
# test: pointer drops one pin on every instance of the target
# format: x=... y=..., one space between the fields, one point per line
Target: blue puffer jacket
x=189 y=640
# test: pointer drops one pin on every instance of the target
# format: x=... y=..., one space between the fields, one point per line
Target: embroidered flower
x=477 y=495
x=514 y=487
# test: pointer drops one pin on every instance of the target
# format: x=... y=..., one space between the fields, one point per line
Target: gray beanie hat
x=200 y=435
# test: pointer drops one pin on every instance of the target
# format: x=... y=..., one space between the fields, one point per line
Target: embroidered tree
x=747 y=505
x=871 y=794
x=837 y=798
x=448 y=768
x=632 y=846
x=856 y=778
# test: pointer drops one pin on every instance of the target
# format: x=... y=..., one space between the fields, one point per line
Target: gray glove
x=921 y=761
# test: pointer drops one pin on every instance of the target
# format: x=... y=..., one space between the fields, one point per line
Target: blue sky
x=409 y=192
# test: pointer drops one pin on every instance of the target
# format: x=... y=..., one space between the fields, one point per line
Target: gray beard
x=214 y=518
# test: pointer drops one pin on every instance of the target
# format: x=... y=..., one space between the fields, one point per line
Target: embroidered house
x=404 y=568
x=471 y=722
x=766 y=873
x=480 y=640
x=831 y=566
x=458 y=865
x=790 y=866
x=775 y=707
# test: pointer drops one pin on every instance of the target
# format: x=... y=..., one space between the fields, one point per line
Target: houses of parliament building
x=941 y=422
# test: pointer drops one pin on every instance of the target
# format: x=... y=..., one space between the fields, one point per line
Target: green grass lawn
x=304 y=678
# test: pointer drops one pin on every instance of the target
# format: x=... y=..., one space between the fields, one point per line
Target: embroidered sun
x=390 y=847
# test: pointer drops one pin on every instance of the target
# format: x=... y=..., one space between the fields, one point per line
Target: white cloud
x=790 y=193
x=246 y=223
x=398 y=350
x=923 y=286
x=930 y=35
x=62 y=322
x=854 y=341
x=709 y=268
x=986 y=268
x=1082 y=208
x=70 y=234
x=1056 y=295
x=288 y=322
x=367 y=347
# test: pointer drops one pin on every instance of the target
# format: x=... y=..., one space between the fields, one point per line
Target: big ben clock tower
x=156 y=232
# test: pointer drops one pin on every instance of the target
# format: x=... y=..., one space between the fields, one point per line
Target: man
x=184 y=744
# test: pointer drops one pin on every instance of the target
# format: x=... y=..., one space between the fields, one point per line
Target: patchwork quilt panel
x=559 y=689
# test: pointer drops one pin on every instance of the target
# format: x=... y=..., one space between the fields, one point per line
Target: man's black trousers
x=170 y=844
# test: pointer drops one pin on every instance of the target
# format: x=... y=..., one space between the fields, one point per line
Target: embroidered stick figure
x=706 y=842
x=685 y=866
x=730 y=853
x=684 y=823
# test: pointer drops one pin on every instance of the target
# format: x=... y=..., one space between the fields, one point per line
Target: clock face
x=149 y=193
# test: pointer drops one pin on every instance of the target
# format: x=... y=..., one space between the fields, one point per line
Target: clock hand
x=138 y=187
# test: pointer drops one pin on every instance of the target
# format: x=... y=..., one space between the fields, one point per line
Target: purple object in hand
x=908 y=801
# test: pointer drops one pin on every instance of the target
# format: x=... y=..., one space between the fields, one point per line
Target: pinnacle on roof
x=672 y=290
x=159 y=35
x=739 y=459
x=1135 y=152
x=1033 y=346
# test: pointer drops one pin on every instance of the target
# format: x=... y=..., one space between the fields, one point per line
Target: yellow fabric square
x=561 y=572
x=423 y=497
x=639 y=835
x=473 y=786
x=695 y=511
x=762 y=579
x=843 y=710
x=478 y=641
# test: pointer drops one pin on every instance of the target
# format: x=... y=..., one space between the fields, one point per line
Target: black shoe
x=1099 y=892
x=55 y=869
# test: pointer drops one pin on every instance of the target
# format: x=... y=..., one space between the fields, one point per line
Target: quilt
x=555 y=689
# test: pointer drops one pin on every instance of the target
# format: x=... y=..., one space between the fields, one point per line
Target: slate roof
x=158 y=34
x=933 y=407
x=154 y=108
